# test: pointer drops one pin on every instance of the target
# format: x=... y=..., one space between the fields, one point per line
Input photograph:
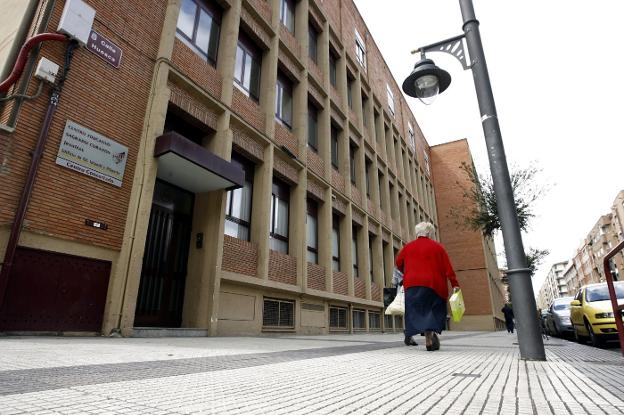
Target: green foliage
x=482 y=215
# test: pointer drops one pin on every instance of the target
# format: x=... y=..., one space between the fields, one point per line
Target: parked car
x=592 y=315
x=558 y=320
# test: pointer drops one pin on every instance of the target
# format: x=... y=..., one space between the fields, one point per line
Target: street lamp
x=424 y=83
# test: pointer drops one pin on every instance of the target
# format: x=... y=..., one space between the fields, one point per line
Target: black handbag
x=388 y=295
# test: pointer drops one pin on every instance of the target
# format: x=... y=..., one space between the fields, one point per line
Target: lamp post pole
x=525 y=309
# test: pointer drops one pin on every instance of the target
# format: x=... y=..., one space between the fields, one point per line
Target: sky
x=556 y=72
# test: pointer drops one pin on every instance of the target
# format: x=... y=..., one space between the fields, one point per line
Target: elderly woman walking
x=426 y=269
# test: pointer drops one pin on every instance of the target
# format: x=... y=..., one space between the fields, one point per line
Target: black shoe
x=409 y=341
x=435 y=342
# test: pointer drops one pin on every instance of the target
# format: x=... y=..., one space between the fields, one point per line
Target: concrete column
x=261 y=212
x=346 y=259
x=325 y=238
x=230 y=24
x=389 y=147
x=378 y=268
x=388 y=262
x=363 y=254
x=268 y=76
x=356 y=95
x=411 y=219
x=380 y=136
x=297 y=238
x=374 y=183
x=127 y=272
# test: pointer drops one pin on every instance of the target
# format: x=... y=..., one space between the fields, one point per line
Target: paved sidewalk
x=338 y=374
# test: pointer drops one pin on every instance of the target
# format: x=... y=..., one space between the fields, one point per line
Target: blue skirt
x=424 y=311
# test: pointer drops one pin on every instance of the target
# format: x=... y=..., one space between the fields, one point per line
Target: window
x=352 y=169
x=334 y=147
x=364 y=111
x=359 y=320
x=354 y=251
x=367 y=167
x=384 y=248
x=398 y=322
x=312 y=231
x=283 y=100
x=312 y=127
x=388 y=322
x=287 y=14
x=374 y=321
x=337 y=318
x=199 y=26
x=238 y=203
x=370 y=257
x=390 y=99
x=247 y=67
x=335 y=243
x=350 y=82
x=278 y=313
x=333 y=65
x=381 y=188
x=360 y=49
x=426 y=157
x=411 y=140
x=280 y=202
x=313 y=44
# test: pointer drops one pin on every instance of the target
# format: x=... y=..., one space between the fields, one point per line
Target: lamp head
x=426 y=81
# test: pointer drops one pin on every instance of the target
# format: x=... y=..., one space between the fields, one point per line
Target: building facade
x=473 y=256
x=554 y=286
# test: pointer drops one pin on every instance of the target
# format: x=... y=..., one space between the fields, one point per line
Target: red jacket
x=425 y=263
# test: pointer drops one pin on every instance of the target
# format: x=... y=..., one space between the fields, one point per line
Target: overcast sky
x=556 y=68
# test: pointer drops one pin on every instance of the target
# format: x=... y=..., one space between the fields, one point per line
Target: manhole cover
x=467 y=375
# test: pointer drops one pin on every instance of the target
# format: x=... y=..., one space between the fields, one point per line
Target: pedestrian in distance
x=426 y=269
x=509 y=317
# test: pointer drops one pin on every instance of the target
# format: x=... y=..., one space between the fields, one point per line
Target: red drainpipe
x=617 y=309
x=16 y=228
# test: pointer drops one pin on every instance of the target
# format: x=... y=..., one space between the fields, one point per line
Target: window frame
x=249 y=170
x=352 y=164
x=360 y=49
x=312 y=210
x=370 y=256
x=354 y=251
x=335 y=144
x=313 y=35
x=253 y=52
x=283 y=85
x=336 y=228
x=285 y=7
x=313 y=120
x=216 y=16
x=391 y=102
x=333 y=69
x=280 y=190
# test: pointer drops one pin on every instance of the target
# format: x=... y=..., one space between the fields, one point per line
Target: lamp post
x=425 y=82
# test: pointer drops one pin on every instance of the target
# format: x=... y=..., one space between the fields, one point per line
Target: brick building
x=473 y=256
x=272 y=171
x=554 y=286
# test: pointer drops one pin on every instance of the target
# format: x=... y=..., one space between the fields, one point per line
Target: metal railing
x=618 y=310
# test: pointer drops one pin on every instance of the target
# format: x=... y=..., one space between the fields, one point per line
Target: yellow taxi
x=591 y=313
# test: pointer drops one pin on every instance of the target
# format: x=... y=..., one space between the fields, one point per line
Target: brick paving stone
x=473 y=373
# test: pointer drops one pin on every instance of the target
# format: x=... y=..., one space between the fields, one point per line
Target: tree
x=483 y=212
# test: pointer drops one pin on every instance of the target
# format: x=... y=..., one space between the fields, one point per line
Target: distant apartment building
x=237 y=167
x=472 y=254
x=617 y=216
x=554 y=285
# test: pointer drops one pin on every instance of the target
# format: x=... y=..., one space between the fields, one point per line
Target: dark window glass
x=370 y=257
x=334 y=147
x=336 y=243
x=283 y=100
x=354 y=251
x=280 y=204
x=247 y=67
x=352 y=169
x=287 y=14
x=312 y=231
x=238 y=203
x=198 y=26
x=313 y=44
x=350 y=92
x=312 y=127
x=368 y=174
x=364 y=106
x=333 y=62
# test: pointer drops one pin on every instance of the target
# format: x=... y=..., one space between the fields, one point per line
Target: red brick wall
x=316 y=277
x=248 y=109
x=197 y=68
x=282 y=268
x=464 y=246
x=316 y=163
x=375 y=292
x=341 y=285
x=100 y=97
x=360 y=288
x=337 y=180
x=239 y=256
x=283 y=136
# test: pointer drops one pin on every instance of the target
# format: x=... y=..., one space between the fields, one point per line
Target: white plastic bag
x=397 y=307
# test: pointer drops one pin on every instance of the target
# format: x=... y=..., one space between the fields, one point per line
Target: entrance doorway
x=163 y=276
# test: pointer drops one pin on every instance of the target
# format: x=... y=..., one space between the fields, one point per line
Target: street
x=474 y=372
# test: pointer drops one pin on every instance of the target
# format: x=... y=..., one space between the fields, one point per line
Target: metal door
x=161 y=291
x=48 y=291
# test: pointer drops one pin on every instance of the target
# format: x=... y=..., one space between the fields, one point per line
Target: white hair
x=425 y=229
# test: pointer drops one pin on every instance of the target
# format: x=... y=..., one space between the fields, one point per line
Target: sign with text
x=90 y=153
x=104 y=48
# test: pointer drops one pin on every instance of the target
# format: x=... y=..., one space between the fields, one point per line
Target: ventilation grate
x=278 y=313
x=374 y=321
x=359 y=320
x=337 y=318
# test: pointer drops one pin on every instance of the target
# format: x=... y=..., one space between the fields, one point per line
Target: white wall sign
x=90 y=153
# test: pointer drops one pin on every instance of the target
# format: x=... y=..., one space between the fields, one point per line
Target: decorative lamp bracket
x=453 y=46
